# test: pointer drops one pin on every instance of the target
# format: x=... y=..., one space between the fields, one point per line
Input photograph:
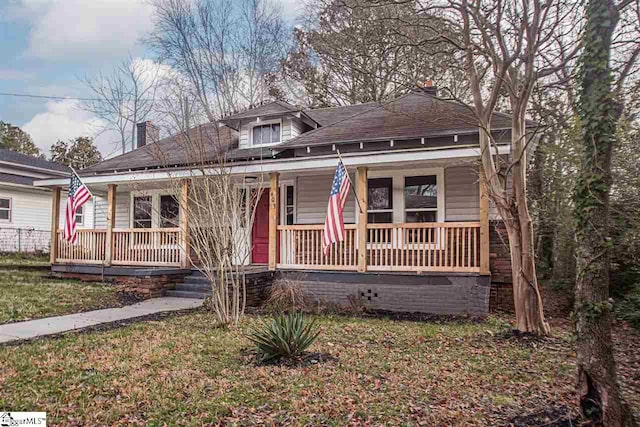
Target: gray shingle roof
x=331 y=115
x=414 y=115
x=23 y=159
x=16 y=179
x=270 y=109
x=204 y=143
x=411 y=116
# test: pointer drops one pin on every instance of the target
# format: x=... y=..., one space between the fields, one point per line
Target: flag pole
x=78 y=176
x=353 y=188
x=94 y=199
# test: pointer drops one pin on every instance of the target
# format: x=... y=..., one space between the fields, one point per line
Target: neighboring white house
x=25 y=210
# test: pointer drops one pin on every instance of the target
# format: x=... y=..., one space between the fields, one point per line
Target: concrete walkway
x=58 y=324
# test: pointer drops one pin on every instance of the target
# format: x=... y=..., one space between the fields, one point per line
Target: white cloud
x=75 y=29
x=15 y=75
x=64 y=120
x=291 y=9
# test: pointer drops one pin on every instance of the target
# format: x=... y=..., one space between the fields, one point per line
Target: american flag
x=78 y=196
x=334 y=224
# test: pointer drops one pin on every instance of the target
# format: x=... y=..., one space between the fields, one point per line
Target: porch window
x=169 y=211
x=421 y=198
x=5 y=210
x=266 y=134
x=289 y=205
x=142 y=209
x=380 y=200
x=80 y=215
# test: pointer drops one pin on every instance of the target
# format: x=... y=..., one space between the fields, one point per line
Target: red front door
x=260 y=231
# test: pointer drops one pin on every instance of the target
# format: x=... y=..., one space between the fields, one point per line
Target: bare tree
x=218 y=206
x=123 y=98
x=354 y=51
x=508 y=47
x=224 y=49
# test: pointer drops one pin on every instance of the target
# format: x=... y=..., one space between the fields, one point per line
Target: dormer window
x=266 y=134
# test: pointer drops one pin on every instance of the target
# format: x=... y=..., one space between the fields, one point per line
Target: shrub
x=286 y=294
x=285 y=336
x=628 y=308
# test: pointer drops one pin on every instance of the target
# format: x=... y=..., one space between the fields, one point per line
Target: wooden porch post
x=184 y=223
x=273 y=219
x=111 y=220
x=55 y=220
x=484 y=224
x=361 y=183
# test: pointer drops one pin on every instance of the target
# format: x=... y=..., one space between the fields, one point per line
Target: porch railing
x=89 y=249
x=443 y=246
x=147 y=246
x=301 y=247
x=131 y=246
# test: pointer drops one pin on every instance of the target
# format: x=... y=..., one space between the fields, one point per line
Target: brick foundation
x=501 y=295
x=435 y=294
x=143 y=286
x=258 y=286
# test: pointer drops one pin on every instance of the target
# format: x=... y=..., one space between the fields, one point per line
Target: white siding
x=291 y=127
x=296 y=127
x=30 y=209
x=243 y=141
x=312 y=193
x=286 y=129
x=88 y=212
x=462 y=193
x=122 y=211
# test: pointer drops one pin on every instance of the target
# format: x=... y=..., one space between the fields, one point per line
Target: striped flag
x=78 y=196
x=334 y=224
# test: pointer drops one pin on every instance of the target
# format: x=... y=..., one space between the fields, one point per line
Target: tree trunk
x=527 y=299
x=515 y=214
x=599 y=393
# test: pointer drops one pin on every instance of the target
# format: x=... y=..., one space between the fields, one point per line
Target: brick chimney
x=146 y=133
x=427 y=88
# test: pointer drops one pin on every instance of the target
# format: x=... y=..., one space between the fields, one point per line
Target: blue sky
x=47 y=45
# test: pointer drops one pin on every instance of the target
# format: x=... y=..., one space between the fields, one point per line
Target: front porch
x=438 y=240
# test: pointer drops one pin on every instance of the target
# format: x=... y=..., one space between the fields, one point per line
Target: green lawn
x=183 y=371
x=26 y=294
x=23 y=259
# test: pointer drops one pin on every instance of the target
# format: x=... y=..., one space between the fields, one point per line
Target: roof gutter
x=35 y=168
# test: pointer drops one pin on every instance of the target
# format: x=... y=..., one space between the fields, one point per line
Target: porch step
x=193 y=287
x=196 y=279
x=187 y=294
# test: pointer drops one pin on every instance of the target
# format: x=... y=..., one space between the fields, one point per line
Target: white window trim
x=398 y=177
x=283 y=201
x=264 y=123
x=155 y=205
x=81 y=215
x=392 y=199
x=8 y=221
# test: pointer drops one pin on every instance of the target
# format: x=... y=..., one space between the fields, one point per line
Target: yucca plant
x=285 y=336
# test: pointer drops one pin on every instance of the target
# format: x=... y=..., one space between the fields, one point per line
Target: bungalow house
x=421 y=241
x=25 y=210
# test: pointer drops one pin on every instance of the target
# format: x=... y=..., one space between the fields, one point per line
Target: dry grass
x=26 y=294
x=287 y=294
x=184 y=371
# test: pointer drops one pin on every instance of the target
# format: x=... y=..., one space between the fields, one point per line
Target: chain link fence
x=24 y=240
